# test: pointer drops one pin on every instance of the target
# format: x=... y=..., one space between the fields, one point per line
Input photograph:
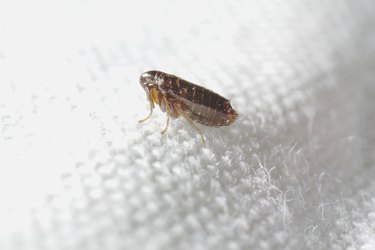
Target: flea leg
x=151 y=109
x=167 y=111
x=193 y=125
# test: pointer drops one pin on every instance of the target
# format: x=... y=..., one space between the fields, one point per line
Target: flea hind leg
x=151 y=109
x=194 y=126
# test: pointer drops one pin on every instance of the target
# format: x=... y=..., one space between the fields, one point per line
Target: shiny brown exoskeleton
x=176 y=97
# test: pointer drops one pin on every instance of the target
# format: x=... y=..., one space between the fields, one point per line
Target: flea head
x=148 y=80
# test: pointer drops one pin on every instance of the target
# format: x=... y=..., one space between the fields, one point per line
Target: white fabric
x=295 y=171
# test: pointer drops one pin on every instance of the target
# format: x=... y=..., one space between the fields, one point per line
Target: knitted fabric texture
x=295 y=171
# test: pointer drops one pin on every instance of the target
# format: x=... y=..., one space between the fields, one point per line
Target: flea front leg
x=151 y=109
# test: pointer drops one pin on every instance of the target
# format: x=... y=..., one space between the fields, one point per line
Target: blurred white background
x=294 y=172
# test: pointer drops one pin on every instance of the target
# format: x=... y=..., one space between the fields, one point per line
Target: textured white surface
x=295 y=171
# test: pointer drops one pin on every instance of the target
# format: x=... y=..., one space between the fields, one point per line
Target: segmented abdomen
x=200 y=104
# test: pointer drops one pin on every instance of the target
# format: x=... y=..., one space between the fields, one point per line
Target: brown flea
x=176 y=97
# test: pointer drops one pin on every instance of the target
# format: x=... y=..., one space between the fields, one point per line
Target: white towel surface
x=295 y=171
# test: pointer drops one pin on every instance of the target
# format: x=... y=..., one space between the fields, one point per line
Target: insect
x=178 y=97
